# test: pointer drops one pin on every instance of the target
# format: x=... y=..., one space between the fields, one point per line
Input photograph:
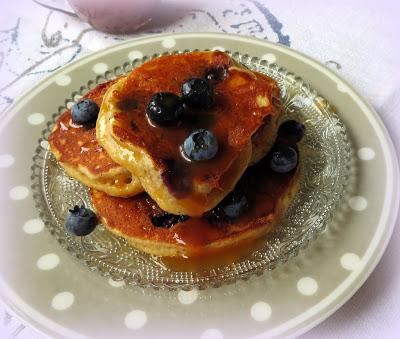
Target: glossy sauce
x=233 y=121
x=215 y=258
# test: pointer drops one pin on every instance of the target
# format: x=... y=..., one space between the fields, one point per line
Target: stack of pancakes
x=136 y=171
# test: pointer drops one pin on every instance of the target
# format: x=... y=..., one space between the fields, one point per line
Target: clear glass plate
x=327 y=164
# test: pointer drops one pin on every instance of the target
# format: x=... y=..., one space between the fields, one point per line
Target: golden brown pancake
x=77 y=150
x=268 y=194
x=243 y=103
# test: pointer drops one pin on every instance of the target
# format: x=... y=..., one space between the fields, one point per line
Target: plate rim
x=353 y=281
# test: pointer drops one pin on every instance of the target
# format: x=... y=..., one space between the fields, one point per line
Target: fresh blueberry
x=233 y=206
x=283 y=158
x=165 y=109
x=80 y=221
x=198 y=93
x=167 y=220
x=292 y=130
x=200 y=145
x=85 y=112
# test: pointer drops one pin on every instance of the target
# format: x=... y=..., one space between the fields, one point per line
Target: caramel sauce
x=233 y=118
x=165 y=144
x=214 y=258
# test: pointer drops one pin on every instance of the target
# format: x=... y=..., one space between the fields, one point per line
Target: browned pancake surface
x=77 y=146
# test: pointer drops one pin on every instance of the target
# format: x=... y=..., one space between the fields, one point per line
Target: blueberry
x=167 y=220
x=198 y=93
x=283 y=158
x=292 y=130
x=200 y=145
x=165 y=109
x=233 y=206
x=80 y=221
x=85 y=112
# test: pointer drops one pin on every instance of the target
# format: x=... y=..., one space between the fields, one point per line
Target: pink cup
x=115 y=16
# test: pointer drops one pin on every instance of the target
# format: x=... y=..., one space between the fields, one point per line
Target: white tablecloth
x=360 y=40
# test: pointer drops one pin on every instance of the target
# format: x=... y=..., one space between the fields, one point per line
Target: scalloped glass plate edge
x=328 y=162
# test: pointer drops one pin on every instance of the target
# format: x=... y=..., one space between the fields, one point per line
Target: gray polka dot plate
x=51 y=290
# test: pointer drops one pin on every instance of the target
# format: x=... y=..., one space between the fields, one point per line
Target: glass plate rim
x=40 y=154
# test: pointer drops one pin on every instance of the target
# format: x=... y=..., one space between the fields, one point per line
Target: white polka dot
x=212 y=333
x=6 y=160
x=33 y=226
x=19 y=193
x=350 y=261
x=36 y=118
x=218 y=48
x=115 y=283
x=44 y=144
x=135 y=55
x=70 y=104
x=48 y=262
x=62 y=301
x=100 y=68
x=366 y=153
x=168 y=42
x=63 y=80
x=135 y=319
x=271 y=58
x=307 y=286
x=188 y=297
x=358 y=203
x=342 y=87
x=261 y=311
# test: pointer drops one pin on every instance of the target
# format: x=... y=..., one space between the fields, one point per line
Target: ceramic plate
x=53 y=292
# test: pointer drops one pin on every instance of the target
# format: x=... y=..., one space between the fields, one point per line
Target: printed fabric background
x=359 y=40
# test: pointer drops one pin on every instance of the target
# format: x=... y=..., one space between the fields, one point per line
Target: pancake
x=78 y=152
x=268 y=194
x=243 y=106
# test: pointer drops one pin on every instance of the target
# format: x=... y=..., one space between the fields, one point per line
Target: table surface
x=359 y=40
